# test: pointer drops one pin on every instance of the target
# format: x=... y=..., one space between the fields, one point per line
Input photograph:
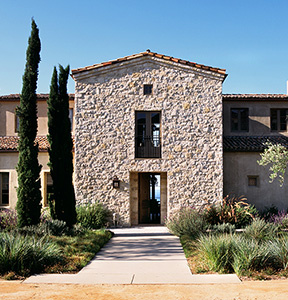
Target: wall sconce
x=116 y=182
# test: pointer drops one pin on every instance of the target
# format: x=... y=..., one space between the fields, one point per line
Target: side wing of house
x=250 y=121
x=9 y=143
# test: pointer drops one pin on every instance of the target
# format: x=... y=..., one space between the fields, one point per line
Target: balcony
x=147 y=147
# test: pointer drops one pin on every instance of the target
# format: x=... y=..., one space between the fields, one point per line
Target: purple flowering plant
x=8 y=219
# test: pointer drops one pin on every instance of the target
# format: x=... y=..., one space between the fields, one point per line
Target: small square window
x=148 y=89
x=253 y=180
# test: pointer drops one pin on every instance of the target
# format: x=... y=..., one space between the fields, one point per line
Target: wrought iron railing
x=147 y=147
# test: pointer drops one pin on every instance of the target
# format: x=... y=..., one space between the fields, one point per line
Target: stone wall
x=190 y=101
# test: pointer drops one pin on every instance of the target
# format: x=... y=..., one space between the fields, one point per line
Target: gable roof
x=148 y=53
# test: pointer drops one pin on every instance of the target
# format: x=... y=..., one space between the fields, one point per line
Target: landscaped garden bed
x=213 y=244
x=51 y=246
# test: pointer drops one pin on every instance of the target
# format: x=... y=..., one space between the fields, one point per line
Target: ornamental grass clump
x=248 y=254
x=260 y=230
x=233 y=210
x=278 y=248
x=217 y=252
x=187 y=221
x=26 y=255
x=92 y=216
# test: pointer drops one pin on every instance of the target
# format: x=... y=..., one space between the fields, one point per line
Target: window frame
x=151 y=147
x=16 y=123
x=46 y=185
x=1 y=188
x=278 y=119
x=239 y=119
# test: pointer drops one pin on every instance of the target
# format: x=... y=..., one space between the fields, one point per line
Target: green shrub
x=217 y=252
x=269 y=212
x=260 y=230
x=25 y=255
x=187 y=221
x=50 y=227
x=92 y=216
x=233 y=210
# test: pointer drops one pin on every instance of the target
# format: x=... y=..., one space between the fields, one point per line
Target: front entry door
x=149 y=198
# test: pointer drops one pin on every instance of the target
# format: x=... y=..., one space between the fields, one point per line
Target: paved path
x=140 y=255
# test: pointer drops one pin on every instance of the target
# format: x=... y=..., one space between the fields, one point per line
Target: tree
x=60 y=152
x=28 y=169
x=277 y=156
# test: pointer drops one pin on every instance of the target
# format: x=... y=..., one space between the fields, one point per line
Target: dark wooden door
x=144 y=198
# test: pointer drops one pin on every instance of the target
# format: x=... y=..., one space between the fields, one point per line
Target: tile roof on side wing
x=251 y=143
x=10 y=143
x=254 y=97
x=151 y=54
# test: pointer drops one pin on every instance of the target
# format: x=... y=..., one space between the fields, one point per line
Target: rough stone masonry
x=190 y=103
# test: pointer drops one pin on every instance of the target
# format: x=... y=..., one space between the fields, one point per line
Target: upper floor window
x=4 y=188
x=147 y=134
x=278 y=119
x=240 y=119
x=16 y=122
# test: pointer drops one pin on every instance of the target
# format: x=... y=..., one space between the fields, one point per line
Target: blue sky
x=249 y=38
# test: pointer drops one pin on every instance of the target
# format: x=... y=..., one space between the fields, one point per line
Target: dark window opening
x=148 y=89
x=253 y=180
x=16 y=122
x=278 y=119
x=49 y=189
x=240 y=119
x=147 y=139
x=4 y=188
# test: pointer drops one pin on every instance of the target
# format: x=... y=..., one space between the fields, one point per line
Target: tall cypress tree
x=60 y=152
x=28 y=169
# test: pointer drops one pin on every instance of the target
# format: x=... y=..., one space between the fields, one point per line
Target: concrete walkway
x=139 y=255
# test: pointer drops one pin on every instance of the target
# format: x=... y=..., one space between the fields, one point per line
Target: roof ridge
x=152 y=54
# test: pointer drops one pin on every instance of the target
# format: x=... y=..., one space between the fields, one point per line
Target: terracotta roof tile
x=251 y=143
x=254 y=97
x=153 y=54
x=16 y=97
x=10 y=143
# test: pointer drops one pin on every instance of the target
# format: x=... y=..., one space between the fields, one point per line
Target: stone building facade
x=162 y=127
x=180 y=105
